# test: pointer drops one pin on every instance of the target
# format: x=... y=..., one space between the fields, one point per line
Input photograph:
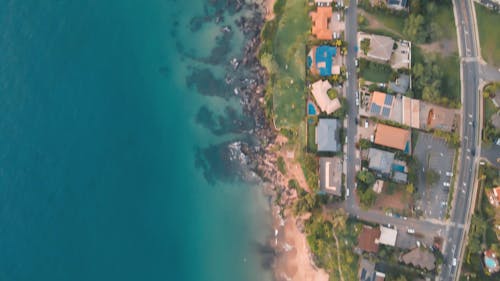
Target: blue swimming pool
x=490 y=263
x=311 y=109
x=398 y=168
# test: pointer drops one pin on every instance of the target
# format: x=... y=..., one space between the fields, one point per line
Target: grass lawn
x=489 y=34
x=450 y=66
x=311 y=134
x=392 y=23
x=288 y=49
x=370 y=72
x=445 y=20
x=489 y=109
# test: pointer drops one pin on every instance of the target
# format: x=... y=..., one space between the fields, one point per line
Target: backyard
x=374 y=72
x=489 y=34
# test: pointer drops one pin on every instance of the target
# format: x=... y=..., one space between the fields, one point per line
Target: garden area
x=374 y=72
x=489 y=34
x=482 y=234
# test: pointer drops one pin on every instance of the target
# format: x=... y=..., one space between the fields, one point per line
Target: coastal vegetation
x=489 y=34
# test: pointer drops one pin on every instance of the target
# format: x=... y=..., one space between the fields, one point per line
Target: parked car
x=411 y=231
x=449 y=174
x=454 y=262
x=447 y=184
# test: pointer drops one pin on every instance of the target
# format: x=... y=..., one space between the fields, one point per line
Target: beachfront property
x=327 y=135
x=490 y=261
x=330 y=175
x=494 y=196
x=384 y=49
x=419 y=258
x=409 y=112
x=393 y=137
x=320 y=90
x=321 y=61
x=367 y=271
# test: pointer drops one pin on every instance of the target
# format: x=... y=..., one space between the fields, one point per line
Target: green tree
x=415 y=29
x=366 y=177
x=365 y=45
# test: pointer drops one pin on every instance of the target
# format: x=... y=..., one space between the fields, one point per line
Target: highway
x=464 y=185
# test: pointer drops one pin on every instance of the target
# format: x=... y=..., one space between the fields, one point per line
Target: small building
x=330 y=175
x=411 y=112
x=320 y=92
x=420 y=258
x=491 y=261
x=367 y=239
x=401 y=85
x=320 y=22
x=327 y=135
x=320 y=60
x=367 y=271
x=393 y=137
x=397 y=4
x=380 y=161
x=400 y=177
x=494 y=196
x=387 y=236
x=378 y=186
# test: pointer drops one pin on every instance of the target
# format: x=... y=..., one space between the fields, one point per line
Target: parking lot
x=433 y=154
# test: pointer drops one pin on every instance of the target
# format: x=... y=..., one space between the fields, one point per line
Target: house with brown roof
x=320 y=23
x=420 y=258
x=367 y=239
x=494 y=196
x=381 y=47
x=393 y=137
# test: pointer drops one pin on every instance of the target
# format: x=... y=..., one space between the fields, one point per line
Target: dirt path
x=374 y=23
x=338 y=254
x=269 y=5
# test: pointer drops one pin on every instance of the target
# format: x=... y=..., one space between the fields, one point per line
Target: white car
x=411 y=231
x=449 y=174
x=454 y=262
x=357 y=102
x=447 y=184
x=347 y=192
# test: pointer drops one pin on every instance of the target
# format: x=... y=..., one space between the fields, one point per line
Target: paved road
x=351 y=88
x=470 y=95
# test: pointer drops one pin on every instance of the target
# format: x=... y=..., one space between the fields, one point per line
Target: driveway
x=433 y=154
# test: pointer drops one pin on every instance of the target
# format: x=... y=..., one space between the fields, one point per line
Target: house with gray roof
x=380 y=161
x=330 y=175
x=367 y=272
x=401 y=85
x=327 y=135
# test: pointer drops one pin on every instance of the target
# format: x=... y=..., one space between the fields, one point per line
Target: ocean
x=114 y=127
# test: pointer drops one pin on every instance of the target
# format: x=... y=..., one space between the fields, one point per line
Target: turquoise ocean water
x=107 y=170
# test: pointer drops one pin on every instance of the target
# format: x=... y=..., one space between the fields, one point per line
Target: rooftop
x=420 y=258
x=327 y=135
x=393 y=137
x=437 y=117
x=401 y=84
x=320 y=92
x=381 y=104
x=380 y=47
x=380 y=160
x=387 y=236
x=320 y=20
x=367 y=237
x=330 y=175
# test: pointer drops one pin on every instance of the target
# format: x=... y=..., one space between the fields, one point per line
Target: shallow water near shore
x=115 y=122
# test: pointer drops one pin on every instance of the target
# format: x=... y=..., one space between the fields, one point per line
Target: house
x=400 y=177
x=320 y=92
x=380 y=49
x=323 y=2
x=494 y=196
x=411 y=112
x=491 y=261
x=397 y=4
x=381 y=105
x=367 y=239
x=401 y=85
x=393 y=137
x=320 y=22
x=420 y=258
x=327 y=135
x=330 y=175
x=367 y=272
x=380 y=161
x=320 y=60
x=387 y=236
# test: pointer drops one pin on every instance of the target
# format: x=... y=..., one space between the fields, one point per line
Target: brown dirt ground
x=394 y=201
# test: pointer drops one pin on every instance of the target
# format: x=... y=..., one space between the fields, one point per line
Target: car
x=347 y=193
x=366 y=123
x=357 y=94
x=454 y=262
x=357 y=102
x=411 y=231
x=447 y=184
x=347 y=75
x=356 y=62
x=356 y=121
x=449 y=174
